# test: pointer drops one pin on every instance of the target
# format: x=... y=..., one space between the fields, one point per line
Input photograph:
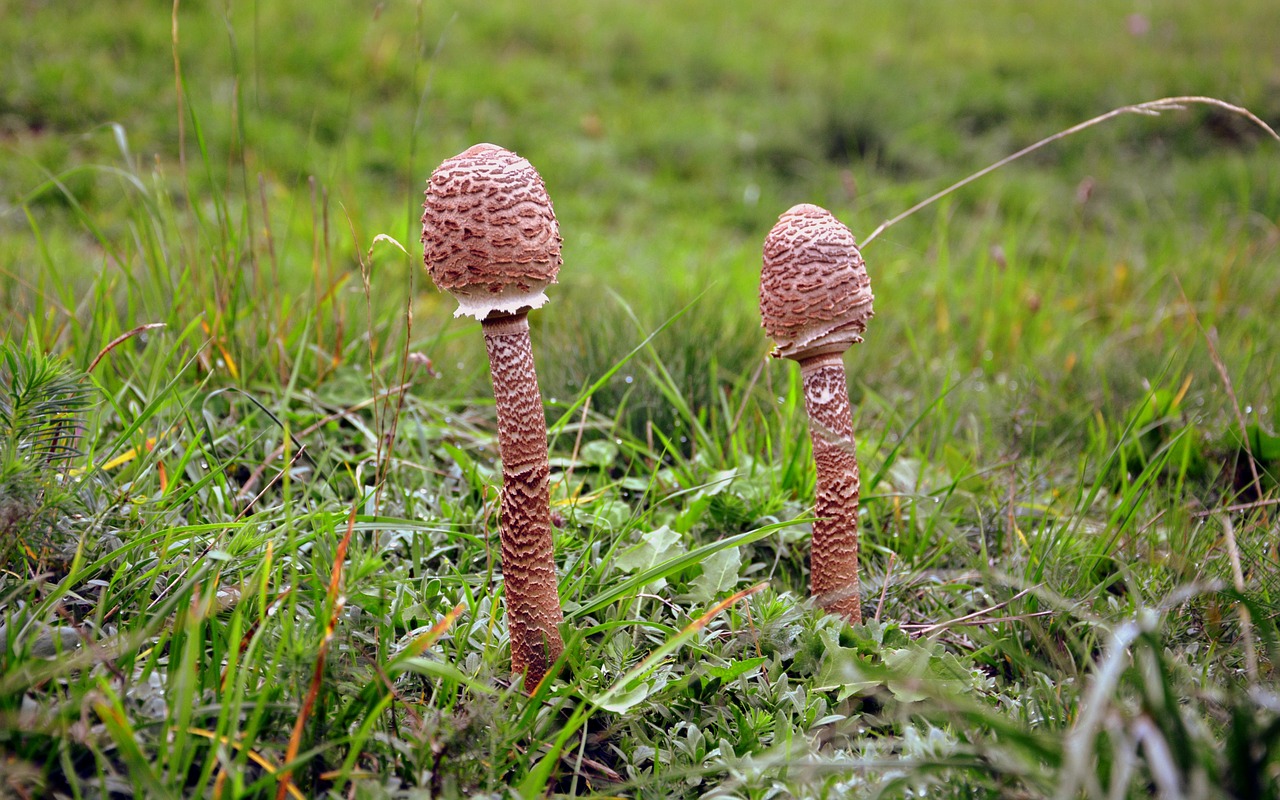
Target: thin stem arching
x=1150 y=108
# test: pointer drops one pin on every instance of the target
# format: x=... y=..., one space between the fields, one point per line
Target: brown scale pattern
x=815 y=295
x=487 y=221
x=834 y=560
x=528 y=563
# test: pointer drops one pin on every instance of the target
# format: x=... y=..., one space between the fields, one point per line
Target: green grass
x=278 y=506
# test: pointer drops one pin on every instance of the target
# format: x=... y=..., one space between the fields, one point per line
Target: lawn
x=248 y=471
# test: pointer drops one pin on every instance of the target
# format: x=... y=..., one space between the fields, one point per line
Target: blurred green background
x=670 y=136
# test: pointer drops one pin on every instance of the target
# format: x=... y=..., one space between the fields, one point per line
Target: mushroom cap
x=815 y=296
x=489 y=235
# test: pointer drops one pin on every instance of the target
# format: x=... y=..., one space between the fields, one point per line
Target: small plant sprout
x=815 y=300
x=490 y=239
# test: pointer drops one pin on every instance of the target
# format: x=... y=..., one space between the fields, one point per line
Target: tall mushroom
x=490 y=239
x=815 y=300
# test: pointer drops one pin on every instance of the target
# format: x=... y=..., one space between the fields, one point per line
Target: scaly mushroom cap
x=489 y=234
x=815 y=296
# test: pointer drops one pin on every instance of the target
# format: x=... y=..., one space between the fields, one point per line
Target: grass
x=273 y=552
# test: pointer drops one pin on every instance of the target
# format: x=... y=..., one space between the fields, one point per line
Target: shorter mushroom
x=490 y=238
x=815 y=300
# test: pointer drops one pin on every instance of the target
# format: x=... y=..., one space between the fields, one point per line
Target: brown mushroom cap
x=489 y=234
x=815 y=296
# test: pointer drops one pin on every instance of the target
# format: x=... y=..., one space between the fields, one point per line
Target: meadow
x=248 y=475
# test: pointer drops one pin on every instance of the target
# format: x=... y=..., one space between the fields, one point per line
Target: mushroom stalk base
x=834 y=555
x=528 y=561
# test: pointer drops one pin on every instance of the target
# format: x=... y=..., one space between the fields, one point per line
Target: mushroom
x=490 y=239
x=815 y=300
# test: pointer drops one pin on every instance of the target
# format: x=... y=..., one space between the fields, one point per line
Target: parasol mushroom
x=490 y=239
x=815 y=300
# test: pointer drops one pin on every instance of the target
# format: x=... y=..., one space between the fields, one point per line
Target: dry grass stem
x=121 y=339
x=928 y=629
x=1149 y=108
x=1237 y=580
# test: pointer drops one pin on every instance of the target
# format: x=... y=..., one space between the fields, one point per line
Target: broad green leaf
x=600 y=453
x=719 y=575
x=671 y=566
x=735 y=669
x=842 y=668
x=923 y=671
x=610 y=514
x=655 y=547
x=625 y=700
x=718 y=482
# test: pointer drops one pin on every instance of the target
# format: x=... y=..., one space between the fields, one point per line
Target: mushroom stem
x=528 y=562
x=834 y=566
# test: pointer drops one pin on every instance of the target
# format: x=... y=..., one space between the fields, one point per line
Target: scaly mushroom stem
x=528 y=562
x=834 y=570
